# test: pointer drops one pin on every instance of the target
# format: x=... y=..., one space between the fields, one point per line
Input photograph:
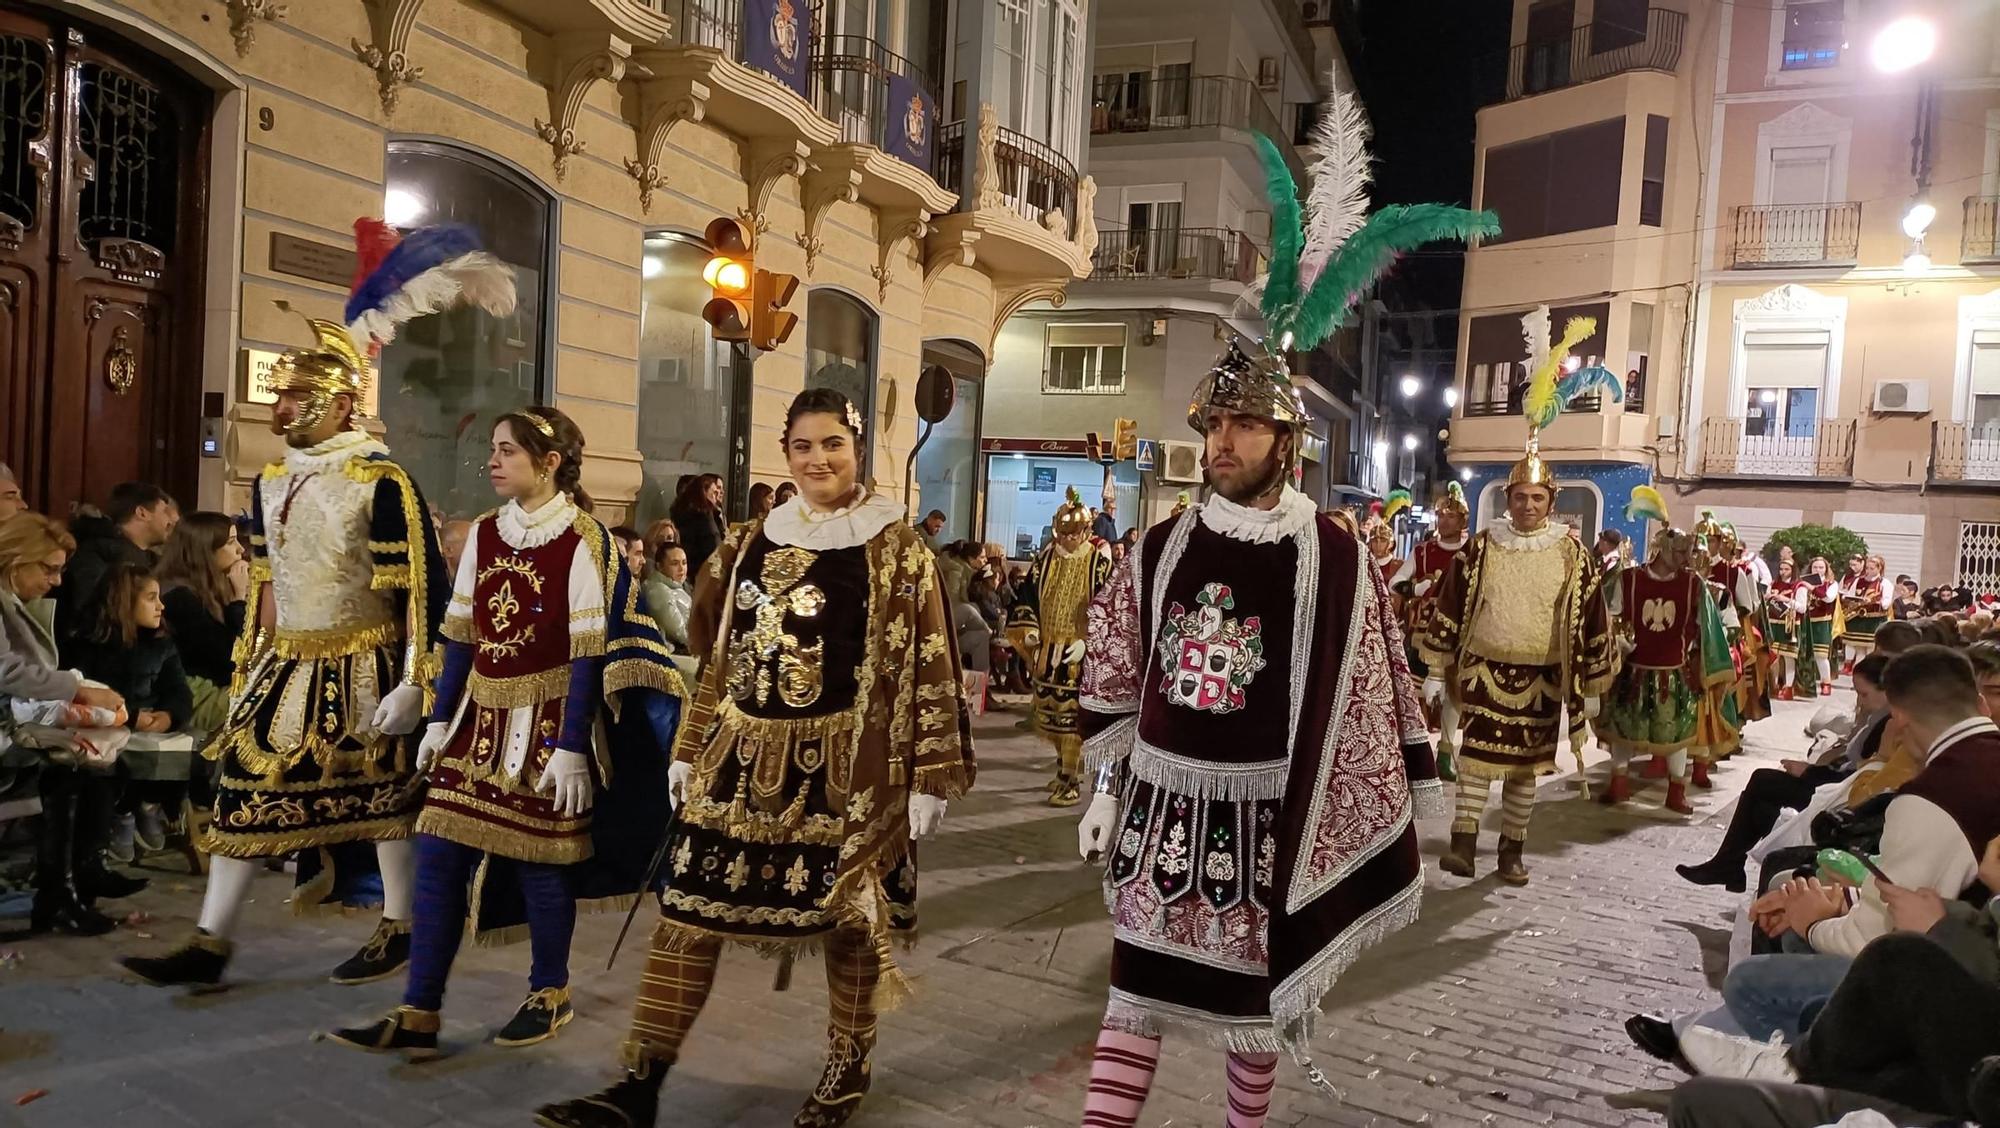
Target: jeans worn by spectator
x=1772 y=994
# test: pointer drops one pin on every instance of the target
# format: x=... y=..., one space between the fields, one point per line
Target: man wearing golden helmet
x=332 y=673
x=1048 y=624
x=1518 y=634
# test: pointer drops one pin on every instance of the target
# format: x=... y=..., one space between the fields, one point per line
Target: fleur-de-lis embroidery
x=503 y=606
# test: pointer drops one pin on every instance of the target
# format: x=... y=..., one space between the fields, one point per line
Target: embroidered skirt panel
x=1509 y=715
x=475 y=801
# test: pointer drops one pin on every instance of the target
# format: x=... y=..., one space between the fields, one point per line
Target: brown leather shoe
x=1458 y=860
x=1511 y=870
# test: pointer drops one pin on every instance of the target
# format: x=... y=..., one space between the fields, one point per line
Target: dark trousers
x=1769 y=794
x=1908 y=1023
x=444 y=880
x=1724 y=1102
x=77 y=810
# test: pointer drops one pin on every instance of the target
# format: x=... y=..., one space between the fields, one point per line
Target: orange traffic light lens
x=726 y=275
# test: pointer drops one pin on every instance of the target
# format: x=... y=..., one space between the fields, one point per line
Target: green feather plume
x=1647 y=504
x=1388 y=234
x=1287 y=235
x=1396 y=502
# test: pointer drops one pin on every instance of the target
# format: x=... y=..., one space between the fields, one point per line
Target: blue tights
x=444 y=878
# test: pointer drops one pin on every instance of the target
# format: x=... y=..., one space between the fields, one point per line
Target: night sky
x=1425 y=68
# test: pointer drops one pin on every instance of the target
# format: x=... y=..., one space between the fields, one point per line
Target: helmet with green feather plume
x=1453 y=500
x=1071 y=516
x=1555 y=379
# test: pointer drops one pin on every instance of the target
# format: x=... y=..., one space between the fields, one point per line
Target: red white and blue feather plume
x=423 y=271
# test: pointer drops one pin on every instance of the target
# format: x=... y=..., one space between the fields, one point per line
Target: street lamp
x=1410 y=386
x=1918 y=219
x=1916 y=263
x=1902 y=44
x=1450 y=396
x=1465 y=475
x=1409 y=442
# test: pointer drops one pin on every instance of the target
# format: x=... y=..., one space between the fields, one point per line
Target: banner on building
x=777 y=39
x=908 y=124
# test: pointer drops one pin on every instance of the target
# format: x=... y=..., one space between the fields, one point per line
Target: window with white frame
x=1985 y=406
x=1783 y=375
x=1085 y=359
x=1814 y=34
x=1040 y=59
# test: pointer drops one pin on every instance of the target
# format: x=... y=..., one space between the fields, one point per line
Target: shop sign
x=777 y=39
x=1045 y=479
x=1075 y=447
x=320 y=262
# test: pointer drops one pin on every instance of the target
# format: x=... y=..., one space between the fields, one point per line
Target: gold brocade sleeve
x=707 y=637
x=942 y=752
x=1593 y=661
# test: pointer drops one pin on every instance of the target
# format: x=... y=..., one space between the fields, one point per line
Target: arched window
x=446 y=377
x=686 y=385
x=840 y=353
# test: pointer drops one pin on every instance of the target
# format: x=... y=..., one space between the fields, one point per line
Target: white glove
x=567 y=781
x=677 y=782
x=1433 y=690
x=1421 y=588
x=1730 y=619
x=1100 y=821
x=1591 y=705
x=432 y=744
x=400 y=710
x=926 y=812
x=1073 y=652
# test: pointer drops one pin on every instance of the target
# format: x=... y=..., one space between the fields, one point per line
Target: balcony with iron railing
x=852 y=80
x=1764 y=235
x=1032 y=180
x=1594 y=51
x=1208 y=254
x=1202 y=101
x=1808 y=448
x=1979 y=237
x=1966 y=453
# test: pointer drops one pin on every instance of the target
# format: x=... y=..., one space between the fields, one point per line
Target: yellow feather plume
x=1647 y=504
x=1541 y=404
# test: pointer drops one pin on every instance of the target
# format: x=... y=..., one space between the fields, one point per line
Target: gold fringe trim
x=946 y=781
x=457 y=628
x=560 y=848
x=519 y=692
x=334 y=643
x=637 y=673
x=244 y=845
x=391 y=577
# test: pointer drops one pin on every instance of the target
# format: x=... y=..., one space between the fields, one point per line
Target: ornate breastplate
x=796 y=619
x=316 y=525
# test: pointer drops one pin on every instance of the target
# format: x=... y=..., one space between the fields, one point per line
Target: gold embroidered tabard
x=768 y=656
x=1513 y=622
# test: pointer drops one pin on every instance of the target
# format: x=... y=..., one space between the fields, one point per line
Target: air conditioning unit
x=1267 y=73
x=1902 y=397
x=1180 y=461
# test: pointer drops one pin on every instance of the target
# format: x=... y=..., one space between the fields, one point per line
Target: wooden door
x=102 y=227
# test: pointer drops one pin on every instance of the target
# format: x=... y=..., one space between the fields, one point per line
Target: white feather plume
x=478 y=279
x=1336 y=202
x=1535 y=327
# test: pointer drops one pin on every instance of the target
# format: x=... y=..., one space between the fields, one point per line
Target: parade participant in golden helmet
x=827 y=732
x=1519 y=631
x=1419 y=579
x=1047 y=626
x=335 y=663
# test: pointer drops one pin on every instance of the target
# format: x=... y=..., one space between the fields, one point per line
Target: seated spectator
x=1985 y=659
x=204 y=579
x=697 y=513
x=1905 y=1031
x=1907 y=604
x=658 y=533
x=1772 y=791
x=1894 y=637
x=1941 y=629
x=669 y=596
x=632 y=547
x=136 y=522
x=760 y=500
x=451 y=542
x=975 y=638
x=986 y=597
x=10 y=494
x=787 y=490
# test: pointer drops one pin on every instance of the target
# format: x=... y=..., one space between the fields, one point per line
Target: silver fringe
x=1132 y=1014
x=1206 y=779
x=1428 y=799
x=1111 y=745
x=1295 y=1002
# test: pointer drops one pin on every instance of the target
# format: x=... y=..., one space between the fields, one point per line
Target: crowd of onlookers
x=1865 y=970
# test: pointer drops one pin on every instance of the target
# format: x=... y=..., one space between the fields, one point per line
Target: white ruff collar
x=1502 y=534
x=1292 y=515
x=333 y=452
x=522 y=529
x=797 y=525
x=1451 y=546
x=1383 y=561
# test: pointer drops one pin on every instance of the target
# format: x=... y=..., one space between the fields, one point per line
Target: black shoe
x=397 y=1033
x=1715 y=872
x=545 y=1012
x=1656 y=1037
x=106 y=884
x=382 y=956
x=633 y=1102
x=1983 y=1095
x=841 y=1085
x=197 y=964
x=58 y=910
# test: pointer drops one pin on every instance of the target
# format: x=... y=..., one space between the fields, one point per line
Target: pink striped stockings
x=1121 y=1073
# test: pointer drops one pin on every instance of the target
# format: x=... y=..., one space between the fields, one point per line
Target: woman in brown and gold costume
x=826 y=734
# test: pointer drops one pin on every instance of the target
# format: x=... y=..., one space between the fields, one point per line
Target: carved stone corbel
x=897 y=229
x=1086 y=217
x=764 y=164
x=390 y=22
x=986 y=167
x=582 y=61
x=244 y=16
x=958 y=252
x=819 y=190
x=663 y=104
x=1008 y=302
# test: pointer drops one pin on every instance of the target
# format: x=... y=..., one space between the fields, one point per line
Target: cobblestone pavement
x=1500 y=1007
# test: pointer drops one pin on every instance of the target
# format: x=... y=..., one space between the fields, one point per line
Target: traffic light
x=1094 y=445
x=770 y=322
x=1125 y=439
x=730 y=275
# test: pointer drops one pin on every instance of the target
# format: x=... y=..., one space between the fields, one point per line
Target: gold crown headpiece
x=334 y=365
x=538 y=422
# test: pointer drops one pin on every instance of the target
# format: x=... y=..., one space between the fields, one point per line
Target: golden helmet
x=1071 y=516
x=1532 y=471
x=332 y=366
x=1452 y=501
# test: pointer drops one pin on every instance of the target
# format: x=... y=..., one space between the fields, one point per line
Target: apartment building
x=1725 y=187
x=169 y=170
x=1177 y=89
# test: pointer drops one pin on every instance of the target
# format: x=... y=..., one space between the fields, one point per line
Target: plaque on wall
x=303 y=258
